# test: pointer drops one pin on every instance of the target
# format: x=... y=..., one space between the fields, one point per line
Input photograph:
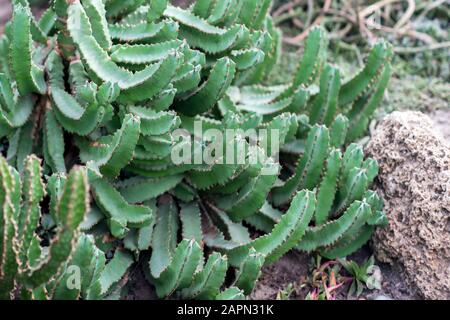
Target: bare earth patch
x=292 y=268
x=441 y=120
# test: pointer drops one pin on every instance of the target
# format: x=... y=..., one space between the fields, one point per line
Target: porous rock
x=414 y=180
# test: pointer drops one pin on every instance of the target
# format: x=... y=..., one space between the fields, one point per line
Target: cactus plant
x=106 y=84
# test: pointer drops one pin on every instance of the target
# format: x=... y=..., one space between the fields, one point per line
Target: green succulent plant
x=105 y=84
x=32 y=268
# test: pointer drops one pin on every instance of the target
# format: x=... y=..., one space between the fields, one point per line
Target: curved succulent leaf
x=352 y=89
x=253 y=195
x=179 y=274
x=285 y=235
x=164 y=239
x=191 y=222
x=119 y=77
x=327 y=188
x=138 y=190
x=143 y=53
x=9 y=187
x=231 y=293
x=113 y=153
x=325 y=104
x=249 y=272
x=121 y=214
x=329 y=233
x=211 y=90
x=309 y=168
x=364 y=107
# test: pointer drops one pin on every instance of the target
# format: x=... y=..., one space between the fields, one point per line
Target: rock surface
x=415 y=183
